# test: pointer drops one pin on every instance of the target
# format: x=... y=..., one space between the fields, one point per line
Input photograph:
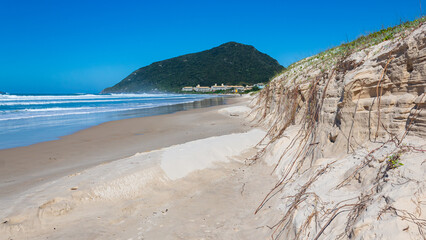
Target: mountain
x=230 y=63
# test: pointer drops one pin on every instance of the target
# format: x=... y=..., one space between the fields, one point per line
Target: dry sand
x=196 y=185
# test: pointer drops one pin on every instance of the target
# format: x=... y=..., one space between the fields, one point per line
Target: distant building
x=239 y=88
x=198 y=88
x=187 y=89
x=218 y=88
x=248 y=87
x=222 y=87
x=260 y=85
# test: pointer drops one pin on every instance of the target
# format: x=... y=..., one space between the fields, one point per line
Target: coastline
x=333 y=148
x=31 y=119
x=193 y=174
x=23 y=167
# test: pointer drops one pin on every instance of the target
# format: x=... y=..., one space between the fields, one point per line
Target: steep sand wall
x=335 y=128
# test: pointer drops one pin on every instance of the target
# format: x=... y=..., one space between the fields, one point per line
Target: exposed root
x=289 y=102
x=379 y=85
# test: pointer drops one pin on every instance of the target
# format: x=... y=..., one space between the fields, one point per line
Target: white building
x=218 y=88
x=198 y=88
x=239 y=88
x=187 y=89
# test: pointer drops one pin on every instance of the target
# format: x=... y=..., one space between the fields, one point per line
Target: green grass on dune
x=329 y=58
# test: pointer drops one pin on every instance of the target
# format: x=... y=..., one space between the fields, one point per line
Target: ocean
x=30 y=119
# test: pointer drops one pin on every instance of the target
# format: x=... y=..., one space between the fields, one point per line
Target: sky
x=73 y=46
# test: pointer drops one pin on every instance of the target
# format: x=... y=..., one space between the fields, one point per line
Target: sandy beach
x=193 y=141
x=174 y=176
x=24 y=166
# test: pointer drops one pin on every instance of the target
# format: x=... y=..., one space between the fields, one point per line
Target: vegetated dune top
x=347 y=130
x=230 y=63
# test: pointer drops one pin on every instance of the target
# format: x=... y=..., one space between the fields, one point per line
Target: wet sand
x=24 y=167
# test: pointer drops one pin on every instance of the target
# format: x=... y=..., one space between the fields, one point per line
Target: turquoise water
x=29 y=119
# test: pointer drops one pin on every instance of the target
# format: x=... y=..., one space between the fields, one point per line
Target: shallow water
x=29 y=119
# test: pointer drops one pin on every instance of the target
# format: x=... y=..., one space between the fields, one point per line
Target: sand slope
x=192 y=190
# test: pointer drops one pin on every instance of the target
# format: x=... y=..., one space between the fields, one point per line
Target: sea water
x=29 y=119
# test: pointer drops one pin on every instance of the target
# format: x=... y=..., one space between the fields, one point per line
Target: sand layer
x=349 y=141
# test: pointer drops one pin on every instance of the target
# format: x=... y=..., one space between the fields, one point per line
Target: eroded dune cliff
x=346 y=136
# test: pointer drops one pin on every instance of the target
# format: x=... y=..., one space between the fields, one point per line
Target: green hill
x=230 y=63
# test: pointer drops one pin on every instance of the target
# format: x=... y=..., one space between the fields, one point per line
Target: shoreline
x=27 y=166
x=198 y=177
x=25 y=130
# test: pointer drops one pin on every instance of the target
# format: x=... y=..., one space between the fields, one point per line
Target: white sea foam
x=12 y=103
x=70 y=111
x=50 y=112
x=86 y=96
x=27 y=119
x=63 y=100
x=46 y=97
x=57 y=109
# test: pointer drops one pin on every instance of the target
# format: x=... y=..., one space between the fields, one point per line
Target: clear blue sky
x=72 y=46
